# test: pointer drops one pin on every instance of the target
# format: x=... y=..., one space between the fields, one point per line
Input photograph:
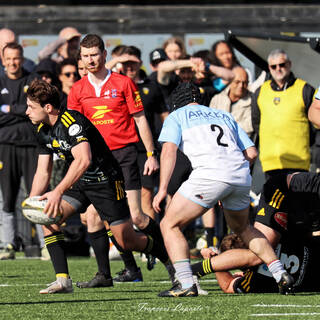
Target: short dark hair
x=133 y=51
x=185 y=93
x=66 y=62
x=13 y=45
x=43 y=93
x=92 y=40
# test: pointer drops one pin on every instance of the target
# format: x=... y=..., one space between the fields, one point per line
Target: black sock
x=100 y=244
x=55 y=246
x=153 y=230
x=209 y=232
x=157 y=250
x=126 y=256
x=202 y=268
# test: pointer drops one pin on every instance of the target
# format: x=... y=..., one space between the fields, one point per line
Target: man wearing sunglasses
x=279 y=117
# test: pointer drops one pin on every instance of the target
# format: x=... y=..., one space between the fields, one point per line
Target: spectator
x=68 y=75
x=279 y=117
x=174 y=48
x=6 y=36
x=236 y=99
x=66 y=46
x=47 y=71
x=82 y=71
x=18 y=152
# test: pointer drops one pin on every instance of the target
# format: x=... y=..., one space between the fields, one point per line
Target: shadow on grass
x=68 y=301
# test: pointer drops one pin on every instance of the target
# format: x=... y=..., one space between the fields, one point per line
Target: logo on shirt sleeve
x=74 y=129
x=137 y=100
x=282 y=219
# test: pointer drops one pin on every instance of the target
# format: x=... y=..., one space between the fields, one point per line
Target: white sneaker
x=201 y=292
x=61 y=285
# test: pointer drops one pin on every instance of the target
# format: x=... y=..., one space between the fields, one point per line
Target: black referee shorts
x=148 y=182
x=127 y=157
x=108 y=197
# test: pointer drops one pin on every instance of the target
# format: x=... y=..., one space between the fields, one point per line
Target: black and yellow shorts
x=108 y=197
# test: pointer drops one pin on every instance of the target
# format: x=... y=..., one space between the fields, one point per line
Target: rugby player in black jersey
x=288 y=213
x=94 y=177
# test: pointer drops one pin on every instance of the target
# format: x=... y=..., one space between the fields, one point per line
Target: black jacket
x=15 y=126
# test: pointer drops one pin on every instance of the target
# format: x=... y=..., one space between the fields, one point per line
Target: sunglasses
x=68 y=74
x=281 y=65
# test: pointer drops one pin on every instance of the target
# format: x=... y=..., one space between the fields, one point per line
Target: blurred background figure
x=68 y=75
x=174 y=48
x=66 y=46
x=7 y=36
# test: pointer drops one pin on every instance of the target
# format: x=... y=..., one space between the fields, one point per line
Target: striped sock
x=184 y=273
x=202 y=268
x=276 y=268
x=55 y=246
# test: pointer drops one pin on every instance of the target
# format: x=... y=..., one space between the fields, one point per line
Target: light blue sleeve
x=171 y=130
x=243 y=141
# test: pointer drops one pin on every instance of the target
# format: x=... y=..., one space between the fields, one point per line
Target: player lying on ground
x=219 y=151
x=94 y=176
x=288 y=213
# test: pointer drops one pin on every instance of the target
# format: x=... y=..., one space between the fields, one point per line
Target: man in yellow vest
x=279 y=115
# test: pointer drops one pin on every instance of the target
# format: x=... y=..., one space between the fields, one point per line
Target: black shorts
x=108 y=197
x=180 y=173
x=148 y=182
x=127 y=157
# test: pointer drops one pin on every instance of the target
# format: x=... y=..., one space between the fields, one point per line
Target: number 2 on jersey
x=213 y=128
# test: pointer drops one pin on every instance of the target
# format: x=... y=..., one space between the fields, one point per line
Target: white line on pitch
x=283 y=314
x=287 y=305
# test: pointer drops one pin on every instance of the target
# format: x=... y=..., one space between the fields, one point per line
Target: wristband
x=153 y=153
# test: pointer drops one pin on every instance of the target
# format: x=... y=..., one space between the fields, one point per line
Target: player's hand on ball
x=53 y=207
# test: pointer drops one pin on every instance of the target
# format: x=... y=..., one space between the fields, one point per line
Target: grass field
x=21 y=280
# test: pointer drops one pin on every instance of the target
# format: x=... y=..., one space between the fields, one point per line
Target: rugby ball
x=32 y=209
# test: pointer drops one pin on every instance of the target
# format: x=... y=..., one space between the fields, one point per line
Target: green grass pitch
x=21 y=280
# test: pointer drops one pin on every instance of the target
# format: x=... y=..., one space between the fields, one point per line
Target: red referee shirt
x=111 y=109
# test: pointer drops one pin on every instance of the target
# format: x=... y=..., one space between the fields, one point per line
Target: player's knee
x=138 y=219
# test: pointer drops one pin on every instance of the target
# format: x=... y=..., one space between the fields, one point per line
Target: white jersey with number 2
x=213 y=142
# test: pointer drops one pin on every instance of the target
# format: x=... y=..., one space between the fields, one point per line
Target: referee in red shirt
x=112 y=103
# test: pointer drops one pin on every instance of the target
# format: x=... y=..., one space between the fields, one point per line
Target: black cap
x=157 y=54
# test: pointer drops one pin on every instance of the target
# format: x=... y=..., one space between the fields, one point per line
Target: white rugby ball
x=32 y=209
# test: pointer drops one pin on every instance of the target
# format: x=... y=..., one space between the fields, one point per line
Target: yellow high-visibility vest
x=284 y=128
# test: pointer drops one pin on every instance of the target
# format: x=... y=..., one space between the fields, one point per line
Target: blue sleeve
x=171 y=130
x=218 y=84
x=243 y=141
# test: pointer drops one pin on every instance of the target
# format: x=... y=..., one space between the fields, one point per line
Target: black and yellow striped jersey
x=294 y=209
x=70 y=129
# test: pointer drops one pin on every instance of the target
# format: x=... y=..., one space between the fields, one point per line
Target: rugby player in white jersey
x=220 y=153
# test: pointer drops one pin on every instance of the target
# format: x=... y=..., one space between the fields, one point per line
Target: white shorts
x=207 y=193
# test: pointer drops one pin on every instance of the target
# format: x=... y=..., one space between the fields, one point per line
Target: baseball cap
x=157 y=54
